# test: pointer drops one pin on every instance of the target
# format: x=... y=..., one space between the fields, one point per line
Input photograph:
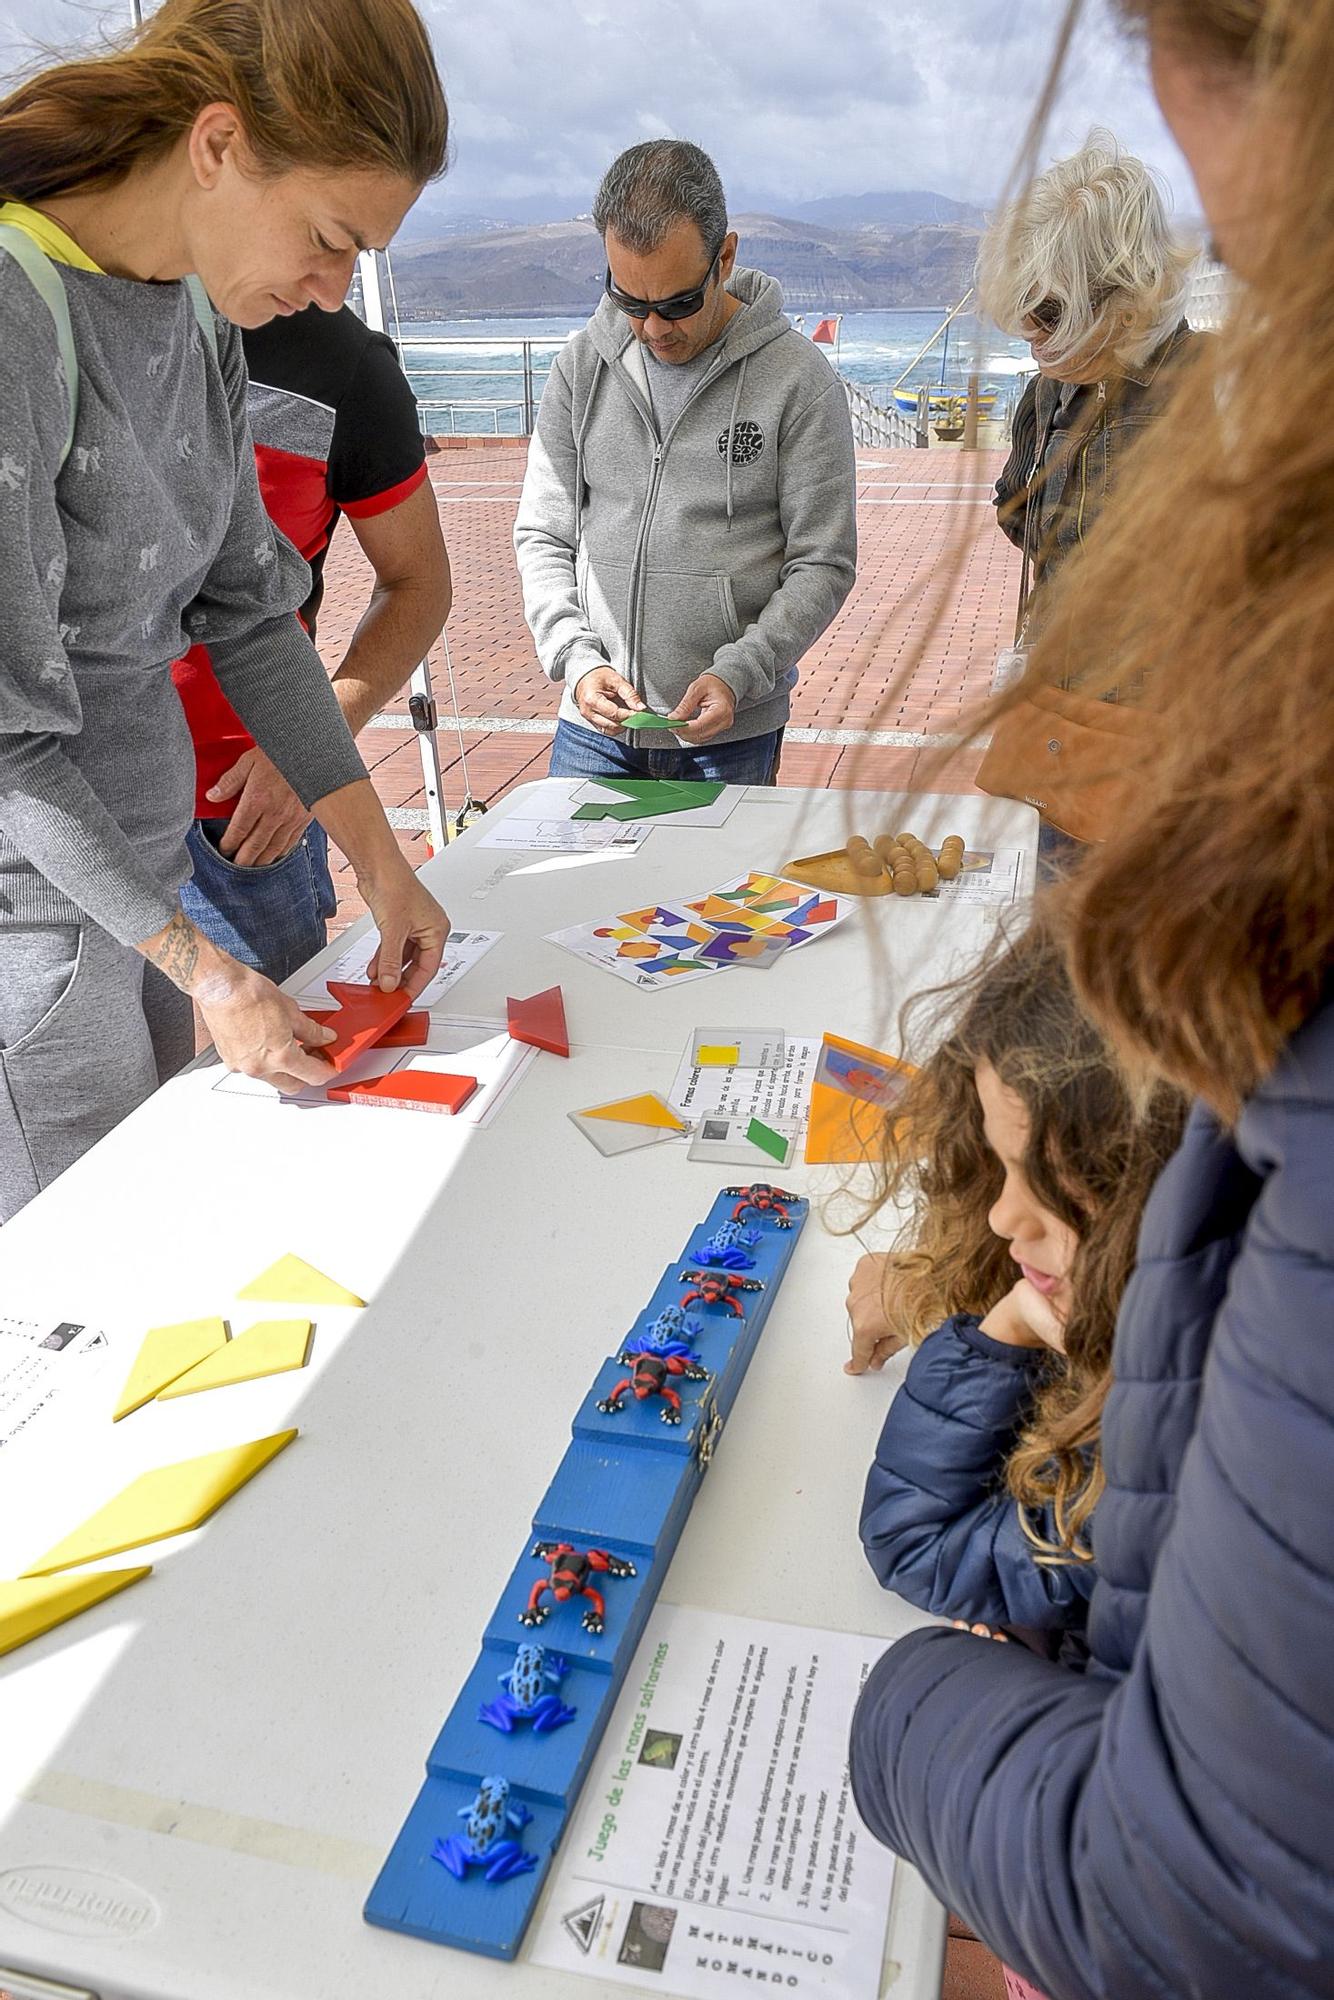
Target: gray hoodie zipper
x=635 y=606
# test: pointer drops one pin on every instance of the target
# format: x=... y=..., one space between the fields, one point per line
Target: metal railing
x=497 y=398
x=873 y=424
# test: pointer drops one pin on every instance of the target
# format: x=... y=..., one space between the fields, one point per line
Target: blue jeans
x=582 y=753
x=273 y=918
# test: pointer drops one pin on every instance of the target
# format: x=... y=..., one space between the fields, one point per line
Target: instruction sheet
x=43 y=1362
x=715 y=1847
x=777 y=1087
x=462 y=952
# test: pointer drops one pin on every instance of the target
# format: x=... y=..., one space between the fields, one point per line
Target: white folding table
x=200 y=1779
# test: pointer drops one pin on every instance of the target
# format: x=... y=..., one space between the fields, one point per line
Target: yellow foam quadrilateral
x=294 y=1282
x=168 y=1351
x=167 y=1501
x=646 y=1110
x=716 y=1056
x=270 y=1348
x=33 y=1605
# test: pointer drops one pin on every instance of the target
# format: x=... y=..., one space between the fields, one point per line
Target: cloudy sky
x=794 y=98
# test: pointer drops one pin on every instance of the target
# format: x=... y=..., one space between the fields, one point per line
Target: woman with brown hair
x=1161 y=1825
x=245 y=150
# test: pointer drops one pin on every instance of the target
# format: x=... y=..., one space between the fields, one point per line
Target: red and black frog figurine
x=571 y=1569
x=652 y=1377
x=762 y=1199
x=719 y=1288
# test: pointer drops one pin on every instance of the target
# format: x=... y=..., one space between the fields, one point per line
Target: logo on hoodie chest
x=747 y=442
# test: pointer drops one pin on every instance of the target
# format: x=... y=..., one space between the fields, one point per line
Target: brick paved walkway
x=929 y=549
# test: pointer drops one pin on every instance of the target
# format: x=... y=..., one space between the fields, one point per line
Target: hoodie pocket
x=605 y=596
x=687 y=617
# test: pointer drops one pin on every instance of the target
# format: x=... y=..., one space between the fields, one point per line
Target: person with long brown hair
x=1023 y=1162
x=1161 y=1825
x=234 y=151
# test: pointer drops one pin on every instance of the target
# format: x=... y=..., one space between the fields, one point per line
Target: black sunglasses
x=683 y=305
x=1047 y=312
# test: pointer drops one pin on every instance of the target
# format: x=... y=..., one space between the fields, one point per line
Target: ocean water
x=480 y=388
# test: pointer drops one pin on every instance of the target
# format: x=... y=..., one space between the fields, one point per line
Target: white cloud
x=794 y=98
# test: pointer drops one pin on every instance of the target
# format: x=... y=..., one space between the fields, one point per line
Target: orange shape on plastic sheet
x=540 y=1021
x=409 y=1090
x=845 y=1129
x=412 y=1032
x=365 y=1015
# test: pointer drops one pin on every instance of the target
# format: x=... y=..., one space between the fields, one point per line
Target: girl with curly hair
x=1024 y=1161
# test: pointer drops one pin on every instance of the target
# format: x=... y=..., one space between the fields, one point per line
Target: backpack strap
x=45 y=281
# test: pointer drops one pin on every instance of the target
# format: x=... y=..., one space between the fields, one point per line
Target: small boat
x=940 y=400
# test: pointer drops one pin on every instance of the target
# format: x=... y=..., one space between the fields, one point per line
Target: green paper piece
x=645 y=719
x=768 y=1142
x=649 y=798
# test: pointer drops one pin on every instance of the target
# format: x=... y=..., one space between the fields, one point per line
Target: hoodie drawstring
x=731 y=430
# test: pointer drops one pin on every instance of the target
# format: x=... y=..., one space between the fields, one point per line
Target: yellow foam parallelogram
x=31 y=1606
x=270 y=1348
x=168 y=1351
x=646 y=1110
x=712 y=1055
x=294 y=1282
x=167 y=1501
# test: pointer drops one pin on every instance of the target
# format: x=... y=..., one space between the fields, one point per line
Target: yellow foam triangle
x=644 y=1110
x=270 y=1348
x=167 y=1351
x=166 y=1501
x=294 y=1282
x=31 y=1606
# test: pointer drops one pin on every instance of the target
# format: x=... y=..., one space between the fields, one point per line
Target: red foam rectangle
x=412 y=1032
x=364 y=1017
x=409 y=1090
x=540 y=1021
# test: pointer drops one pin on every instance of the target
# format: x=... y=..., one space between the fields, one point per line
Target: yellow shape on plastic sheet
x=646 y=1110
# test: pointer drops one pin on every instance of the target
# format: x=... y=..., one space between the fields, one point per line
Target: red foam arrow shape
x=540 y=1021
x=412 y=1032
x=364 y=1017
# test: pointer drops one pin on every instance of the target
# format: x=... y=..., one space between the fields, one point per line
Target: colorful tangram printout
x=752 y=920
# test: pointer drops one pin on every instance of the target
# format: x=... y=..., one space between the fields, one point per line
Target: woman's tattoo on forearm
x=176 y=952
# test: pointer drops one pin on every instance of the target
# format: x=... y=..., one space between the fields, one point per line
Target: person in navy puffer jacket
x=1018 y=1144
x=1161 y=1827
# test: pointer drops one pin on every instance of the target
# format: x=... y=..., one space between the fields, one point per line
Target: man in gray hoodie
x=688 y=522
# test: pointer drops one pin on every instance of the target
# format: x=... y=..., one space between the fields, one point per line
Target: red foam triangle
x=365 y=1015
x=540 y=1021
x=409 y=1090
x=412 y=1032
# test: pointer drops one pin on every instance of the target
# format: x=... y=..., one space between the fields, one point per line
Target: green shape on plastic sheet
x=772 y=1143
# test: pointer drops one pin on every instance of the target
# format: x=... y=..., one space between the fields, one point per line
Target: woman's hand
x=1023 y=1318
x=874 y=1338
x=254 y=1027
x=413 y=929
x=260 y=1031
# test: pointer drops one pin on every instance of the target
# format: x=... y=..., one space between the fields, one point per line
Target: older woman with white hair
x=1085 y=266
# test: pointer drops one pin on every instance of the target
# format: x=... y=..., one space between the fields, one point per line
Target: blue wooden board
x=626 y=1484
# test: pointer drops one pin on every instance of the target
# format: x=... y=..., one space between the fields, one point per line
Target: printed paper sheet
x=715 y=1847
